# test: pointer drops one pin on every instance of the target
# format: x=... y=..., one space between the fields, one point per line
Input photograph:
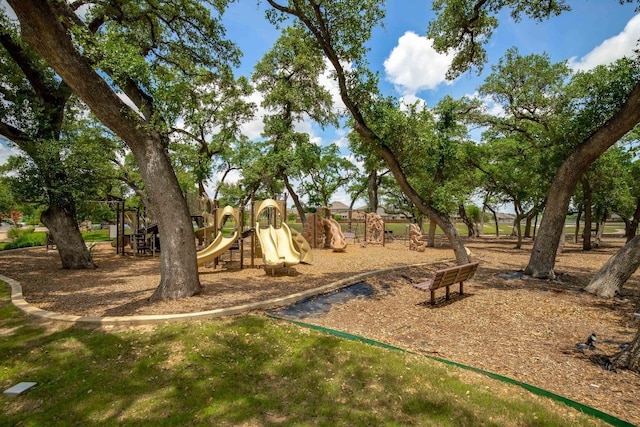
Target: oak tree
x=152 y=53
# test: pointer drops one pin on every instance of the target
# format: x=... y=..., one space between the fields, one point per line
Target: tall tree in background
x=342 y=29
x=326 y=173
x=154 y=54
x=210 y=126
x=33 y=109
x=374 y=169
x=288 y=76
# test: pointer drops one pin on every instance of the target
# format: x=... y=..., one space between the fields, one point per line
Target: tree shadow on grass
x=230 y=372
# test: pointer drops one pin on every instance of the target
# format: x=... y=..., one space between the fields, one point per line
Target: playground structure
x=220 y=243
x=374 y=229
x=324 y=232
x=279 y=245
x=276 y=243
x=219 y=230
x=416 y=242
x=143 y=232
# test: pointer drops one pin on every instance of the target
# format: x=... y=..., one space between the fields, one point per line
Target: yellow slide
x=219 y=246
x=221 y=243
x=277 y=246
x=301 y=244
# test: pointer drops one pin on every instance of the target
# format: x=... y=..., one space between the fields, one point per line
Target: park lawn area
x=38 y=238
x=96 y=235
x=248 y=370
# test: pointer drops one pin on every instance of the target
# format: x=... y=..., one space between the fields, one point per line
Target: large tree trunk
x=629 y=358
x=64 y=230
x=372 y=190
x=43 y=27
x=542 y=259
x=178 y=267
x=616 y=271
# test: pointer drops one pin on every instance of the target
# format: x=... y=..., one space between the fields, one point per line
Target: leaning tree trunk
x=64 y=230
x=543 y=254
x=471 y=226
x=616 y=271
x=373 y=140
x=629 y=358
x=42 y=25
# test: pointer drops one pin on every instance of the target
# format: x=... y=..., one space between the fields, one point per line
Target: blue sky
x=594 y=32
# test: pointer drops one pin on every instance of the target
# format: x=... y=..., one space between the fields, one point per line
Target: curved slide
x=338 y=242
x=277 y=246
x=219 y=246
x=301 y=244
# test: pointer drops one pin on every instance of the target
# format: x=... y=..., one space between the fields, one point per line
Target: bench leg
x=461 y=283
x=433 y=297
x=447 y=294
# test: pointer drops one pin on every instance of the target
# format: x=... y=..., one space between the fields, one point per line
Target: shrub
x=26 y=238
x=15 y=232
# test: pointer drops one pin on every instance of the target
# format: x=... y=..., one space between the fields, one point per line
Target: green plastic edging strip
x=531 y=388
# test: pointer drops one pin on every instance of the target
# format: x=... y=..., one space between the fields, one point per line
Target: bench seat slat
x=447 y=277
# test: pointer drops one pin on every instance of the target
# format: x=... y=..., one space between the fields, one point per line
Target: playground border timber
x=18 y=300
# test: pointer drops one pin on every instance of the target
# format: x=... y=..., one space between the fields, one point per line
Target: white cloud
x=342 y=142
x=411 y=99
x=253 y=129
x=414 y=65
x=492 y=107
x=611 y=49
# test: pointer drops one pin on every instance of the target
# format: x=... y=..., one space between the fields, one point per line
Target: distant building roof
x=338 y=206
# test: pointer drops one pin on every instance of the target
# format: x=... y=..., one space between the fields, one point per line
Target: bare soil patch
x=519 y=327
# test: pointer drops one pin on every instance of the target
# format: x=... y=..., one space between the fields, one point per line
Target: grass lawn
x=249 y=370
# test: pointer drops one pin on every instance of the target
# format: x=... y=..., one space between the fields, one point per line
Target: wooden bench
x=447 y=277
